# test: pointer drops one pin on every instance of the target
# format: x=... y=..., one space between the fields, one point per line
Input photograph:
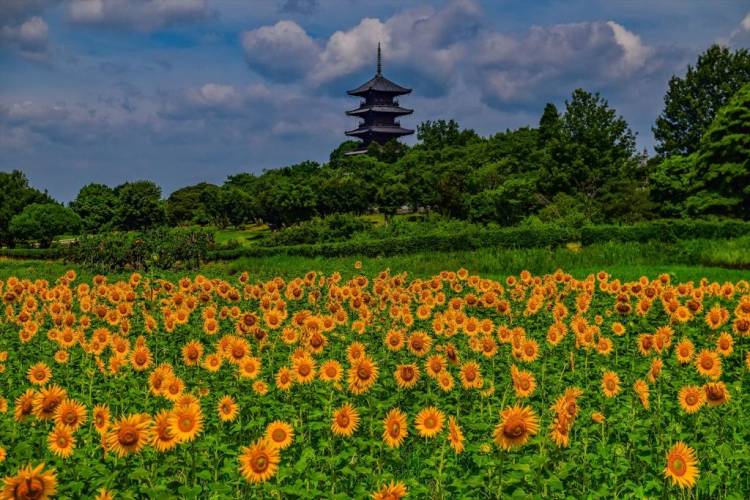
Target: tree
x=15 y=194
x=286 y=202
x=96 y=205
x=549 y=124
x=229 y=205
x=671 y=182
x=41 y=222
x=594 y=148
x=723 y=162
x=441 y=133
x=188 y=205
x=392 y=195
x=691 y=103
x=139 y=206
x=507 y=204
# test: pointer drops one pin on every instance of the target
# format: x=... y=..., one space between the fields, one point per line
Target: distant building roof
x=379 y=84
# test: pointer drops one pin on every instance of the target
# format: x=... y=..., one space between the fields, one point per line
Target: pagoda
x=378 y=110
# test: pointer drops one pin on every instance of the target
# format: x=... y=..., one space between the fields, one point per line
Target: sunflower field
x=379 y=386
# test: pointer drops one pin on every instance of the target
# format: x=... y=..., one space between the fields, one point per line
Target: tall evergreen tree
x=723 y=162
x=691 y=103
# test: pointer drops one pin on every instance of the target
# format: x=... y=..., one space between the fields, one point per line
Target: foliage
x=189 y=205
x=692 y=102
x=722 y=174
x=158 y=248
x=96 y=205
x=15 y=194
x=593 y=151
x=41 y=222
x=333 y=228
x=139 y=206
x=671 y=182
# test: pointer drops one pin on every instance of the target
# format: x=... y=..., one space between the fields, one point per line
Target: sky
x=185 y=91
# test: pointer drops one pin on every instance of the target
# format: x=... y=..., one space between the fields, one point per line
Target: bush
x=333 y=228
x=41 y=222
x=666 y=230
x=159 y=248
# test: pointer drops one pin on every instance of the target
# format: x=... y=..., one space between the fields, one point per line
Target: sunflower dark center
x=127 y=436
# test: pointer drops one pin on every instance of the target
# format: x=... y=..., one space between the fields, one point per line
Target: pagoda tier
x=378 y=110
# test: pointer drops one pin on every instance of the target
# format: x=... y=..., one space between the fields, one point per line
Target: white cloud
x=283 y=51
x=144 y=15
x=746 y=22
x=30 y=37
x=553 y=60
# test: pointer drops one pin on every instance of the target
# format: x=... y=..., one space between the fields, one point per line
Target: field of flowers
x=380 y=386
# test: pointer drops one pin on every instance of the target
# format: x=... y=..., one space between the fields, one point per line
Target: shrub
x=159 y=248
x=41 y=222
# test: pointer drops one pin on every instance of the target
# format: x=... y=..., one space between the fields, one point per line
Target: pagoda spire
x=380 y=61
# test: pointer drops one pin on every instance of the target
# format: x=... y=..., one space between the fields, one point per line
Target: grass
x=627 y=261
x=244 y=236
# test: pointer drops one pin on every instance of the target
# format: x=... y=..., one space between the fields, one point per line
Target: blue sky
x=183 y=91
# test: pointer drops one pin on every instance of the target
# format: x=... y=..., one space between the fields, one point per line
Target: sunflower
x=31 y=483
x=24 y=405
x=598 y=417
x=455 y=435
x=716 y=393
x=331 y=371
x=691 y=398
x=395 y=490
x=260 y=388
x=394 y=428
x=280 y=434
x=610 y=384
x=212 y=362
x=192 y=353
x=162 y=438
x=517 y=425
x=104 y=494
x=708 y=364
x=560 y=431
x=61 y=441
x=355 y=351
x=419 y=343
x=524 y=382
x=345 y=420
x=186 y=422
x=681 y=466
x=684 y=351
x=284 y=379
x=141 y=358
x=641 y=389
x=716 y=317
x=174 y=388
x=227 y=409
x=471 y=376
x=435 y=365
x=406 y=376
x=259 y=461
x=645 y=343
x=39 y=374
x=304 y=369
x=47 y=400
x=70 y=413
x=101 y=418
x=394 y=340
x=429 y=422
x=129 y=435
x=529 y=350
x=725 y=344
x=362 y=375
x=445 y=381
x=249 y=367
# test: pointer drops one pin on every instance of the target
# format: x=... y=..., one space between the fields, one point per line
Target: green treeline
x=578 y=166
